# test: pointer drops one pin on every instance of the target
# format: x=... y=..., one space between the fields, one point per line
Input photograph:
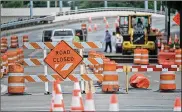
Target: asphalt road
x=145 y=100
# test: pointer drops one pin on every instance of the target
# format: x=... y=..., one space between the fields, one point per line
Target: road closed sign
x=63 y=59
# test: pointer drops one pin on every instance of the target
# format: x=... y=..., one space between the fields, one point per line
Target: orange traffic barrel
x=4 y=64
x=4 y=44
x=137 y=56
x=20 y=55
x=139 y=81
x=12 y=57
x=14 y=42
x=144 y=57
x=25 y=38
x=110 y=81
x=16 y=82
x=178 y=57
x=167 y=81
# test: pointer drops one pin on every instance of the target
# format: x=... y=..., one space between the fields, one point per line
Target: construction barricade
x=12 y=57
x=20 y=55
x=45 y=77
x=14 y=42
x=4 y=44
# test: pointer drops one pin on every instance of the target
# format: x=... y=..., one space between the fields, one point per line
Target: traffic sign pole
x=45 y=72
x=82 y=72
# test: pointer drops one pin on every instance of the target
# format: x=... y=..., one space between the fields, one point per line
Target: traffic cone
x=114 y=103
x=105 y=20
x=116 y=24
x=77 y=102
x=170 y=41
x=159 y=43
x=118 y=19
x=52 y=105
x=89 y=103
x=176 y=40
x=89 y=28
x=162 y=47
x=90 y=19
x=58 y=98
x=95 y=27
x=177 y=104
x=107 y=25
x=174 y=47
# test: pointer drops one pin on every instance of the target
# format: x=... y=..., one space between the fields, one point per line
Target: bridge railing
x=47 y=19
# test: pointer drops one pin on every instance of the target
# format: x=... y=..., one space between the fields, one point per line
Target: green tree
x=12 y=4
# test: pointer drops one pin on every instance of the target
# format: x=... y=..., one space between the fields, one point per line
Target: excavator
x=134 y=31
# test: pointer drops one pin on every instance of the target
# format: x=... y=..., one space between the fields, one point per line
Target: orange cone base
x=110 y=88
x=16 y=90
x=165 y=87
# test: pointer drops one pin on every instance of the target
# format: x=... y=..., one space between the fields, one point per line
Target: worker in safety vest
x=76 y=38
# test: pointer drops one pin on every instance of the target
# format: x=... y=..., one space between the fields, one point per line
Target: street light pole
x=31 y=8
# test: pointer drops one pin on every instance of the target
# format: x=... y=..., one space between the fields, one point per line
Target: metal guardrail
x=79 y=11
x=32 y=21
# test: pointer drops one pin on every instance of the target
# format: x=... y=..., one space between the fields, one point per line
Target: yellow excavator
x=135 y=31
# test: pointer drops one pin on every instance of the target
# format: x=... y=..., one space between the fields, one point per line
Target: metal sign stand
x=45 y=72
x=82 y=83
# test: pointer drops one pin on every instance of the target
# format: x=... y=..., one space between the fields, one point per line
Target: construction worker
x=108 y=41
x=76 y=38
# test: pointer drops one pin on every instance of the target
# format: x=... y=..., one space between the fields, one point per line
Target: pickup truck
x=62 y=34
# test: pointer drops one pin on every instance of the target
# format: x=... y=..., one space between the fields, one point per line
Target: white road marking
x=156 y=81
x=3 y=88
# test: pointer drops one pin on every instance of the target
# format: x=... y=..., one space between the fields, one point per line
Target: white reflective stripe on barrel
x=16 y=84
x=16 y=74
x=167 y=82
x=137 y=54
x=168 y=73
x=178 y=56
x=110 y=83
x=137 y=59
x=177 y=60
x=110 y=73
x=12 y=58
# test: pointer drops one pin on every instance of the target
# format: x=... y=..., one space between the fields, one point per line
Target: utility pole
x=60 y=5
x=31 y=8
x=48 y=4
x=155 y=6
x=146 y=4
x=168 y=27
x=105 y=4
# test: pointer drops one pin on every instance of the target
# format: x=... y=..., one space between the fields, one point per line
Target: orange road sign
x=63 y=59
x=176 y=19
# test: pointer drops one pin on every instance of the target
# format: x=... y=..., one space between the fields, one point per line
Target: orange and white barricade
x=137 y=56
x=144 y=57
x=167 y=81
x=178 y=56
x=4 y=44
x=14 y=42
x=4 y=64
x=25 y=38
x=12 y=57
x=110 y=81
x=16 y=82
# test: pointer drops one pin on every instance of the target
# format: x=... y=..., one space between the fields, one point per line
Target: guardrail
x=27 y=22
x=108 y=9
x=47 y=19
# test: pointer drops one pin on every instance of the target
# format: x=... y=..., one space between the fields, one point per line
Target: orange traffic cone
x=77 y=102
x=174 y=47
x=118 y=19
x=105 y=20
x=107 y=25
x=89 y=28
x=176 y=40
x=162 y=47
x=95 y=27
x=170 y=41
x=177 y=104
x=114 y=103
x=116 y=24
x=90 y=20
x=89 y=103
x=58 y=98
